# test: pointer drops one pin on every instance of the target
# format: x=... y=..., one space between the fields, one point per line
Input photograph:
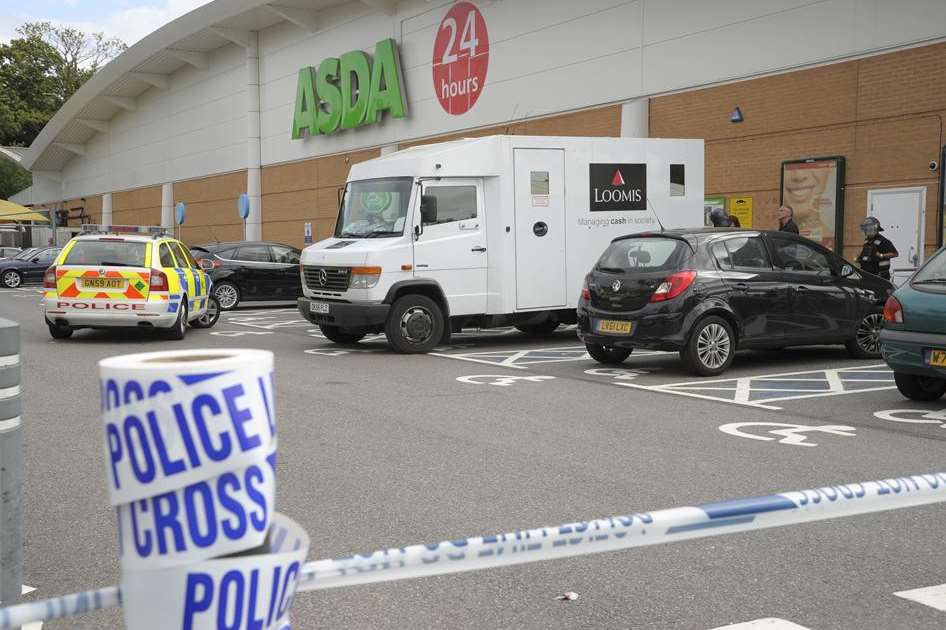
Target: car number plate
x=615 y=327
x=938 y=358
x=318 y=307
x=103 y=283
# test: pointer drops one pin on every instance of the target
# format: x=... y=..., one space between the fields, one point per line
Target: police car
x=114 y=276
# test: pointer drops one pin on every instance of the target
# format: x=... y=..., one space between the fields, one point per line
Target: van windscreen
x=643 y=254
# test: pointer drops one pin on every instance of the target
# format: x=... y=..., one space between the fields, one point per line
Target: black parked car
x=15 y=272
x=250 y=270
x=708 y=292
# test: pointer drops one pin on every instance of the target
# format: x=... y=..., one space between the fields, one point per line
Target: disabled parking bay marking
x=501 y=380
x=762 y=390
x=522 y=358
x=792 y=434
x=914 y=416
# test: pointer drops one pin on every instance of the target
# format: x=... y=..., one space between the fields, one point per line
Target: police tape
x=178 y=417
x=572 y=539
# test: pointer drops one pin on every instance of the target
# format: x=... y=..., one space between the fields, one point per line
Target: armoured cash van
x=488 y=232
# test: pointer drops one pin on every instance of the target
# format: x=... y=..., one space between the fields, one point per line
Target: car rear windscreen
x=643 y=254
x=107 y=253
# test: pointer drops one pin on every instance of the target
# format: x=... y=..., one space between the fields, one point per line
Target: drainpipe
x=254 y=224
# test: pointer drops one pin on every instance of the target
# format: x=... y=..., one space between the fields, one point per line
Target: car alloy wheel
x=417 y=324
x=868 y=333
x=713 y=346
x=211 y=313
x=12 y=279
x=227 y=296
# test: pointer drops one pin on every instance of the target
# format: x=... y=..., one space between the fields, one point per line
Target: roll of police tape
x=176 y=418
x=216 y=517
x=253 y=591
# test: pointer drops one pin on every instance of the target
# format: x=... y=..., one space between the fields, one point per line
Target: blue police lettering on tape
x=191 y=379
x=755 y=505
x=201 y=593
x=204 y=427
x=724 y=522
x=221 y=513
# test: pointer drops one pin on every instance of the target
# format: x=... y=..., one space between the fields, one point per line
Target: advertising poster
x=741 y=208
x=710 y=203
x=814 y=188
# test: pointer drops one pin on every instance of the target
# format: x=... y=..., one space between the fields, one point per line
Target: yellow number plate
x=938 y=358
x=615 y=327
x=103 y=283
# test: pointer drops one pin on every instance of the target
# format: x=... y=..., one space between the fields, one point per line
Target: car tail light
x=893 y=311
x=585 y=291
x=159 y=281
x=673 y=285
x=49 y=278
x=214 y=263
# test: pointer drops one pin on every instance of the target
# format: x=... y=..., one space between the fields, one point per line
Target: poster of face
x=812 y=187
x=709 y=203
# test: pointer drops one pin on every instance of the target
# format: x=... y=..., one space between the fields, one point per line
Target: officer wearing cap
x=877 y=252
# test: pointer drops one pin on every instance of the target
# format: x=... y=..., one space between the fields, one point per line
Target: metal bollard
x=11 y=465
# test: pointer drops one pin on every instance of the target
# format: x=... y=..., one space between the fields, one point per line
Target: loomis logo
x=461 y=57
x=617 y=187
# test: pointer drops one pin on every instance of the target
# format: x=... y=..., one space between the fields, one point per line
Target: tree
x=80 y=55
x=39 y=71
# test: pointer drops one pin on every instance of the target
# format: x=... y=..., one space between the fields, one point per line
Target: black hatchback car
x=707 y=292
x=250 y=270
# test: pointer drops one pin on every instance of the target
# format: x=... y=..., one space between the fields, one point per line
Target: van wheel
x=866 y=341
x=920 y=387
x=415 y=324
x=710 y=348
x=609 y=355
x=337 y=334
x=542 y=329
x=179 y=329
x=59 y=332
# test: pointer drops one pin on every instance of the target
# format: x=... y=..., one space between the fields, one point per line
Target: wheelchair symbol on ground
x=792 y=434
x=620 y=374
x=914 y=416
x=500 y=380
x=760 y=391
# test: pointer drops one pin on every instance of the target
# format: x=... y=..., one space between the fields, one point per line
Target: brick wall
x=211 y=208
x=305 y=191
x=141 y=206
x=884 y=114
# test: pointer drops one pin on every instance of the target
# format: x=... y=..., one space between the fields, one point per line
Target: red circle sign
x=461 y=57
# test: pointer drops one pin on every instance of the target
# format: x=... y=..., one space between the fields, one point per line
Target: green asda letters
x=349 y=91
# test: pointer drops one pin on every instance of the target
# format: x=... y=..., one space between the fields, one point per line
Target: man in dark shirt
x=877 y=251
x=786 y=219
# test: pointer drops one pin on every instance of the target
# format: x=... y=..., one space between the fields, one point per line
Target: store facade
x=836 y=105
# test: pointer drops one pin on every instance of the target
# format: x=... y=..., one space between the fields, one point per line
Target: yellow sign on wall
x=741 y=208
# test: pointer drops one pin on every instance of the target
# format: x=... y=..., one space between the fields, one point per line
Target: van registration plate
x=938 y=358
x=318 y=307
x=615 y=327
x=103 y=283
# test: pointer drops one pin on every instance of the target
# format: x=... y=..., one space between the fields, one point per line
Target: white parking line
x=932 y=596
x=769 y=623
x=520 y=358
x=762 y=390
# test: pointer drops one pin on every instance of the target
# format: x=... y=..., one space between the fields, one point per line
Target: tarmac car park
x=125 y=277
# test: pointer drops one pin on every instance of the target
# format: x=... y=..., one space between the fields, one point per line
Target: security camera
x=933 y=165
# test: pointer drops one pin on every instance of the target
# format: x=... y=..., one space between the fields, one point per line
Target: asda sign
x=349 y=91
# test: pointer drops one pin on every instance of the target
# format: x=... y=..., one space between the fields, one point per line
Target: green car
x=913 y=339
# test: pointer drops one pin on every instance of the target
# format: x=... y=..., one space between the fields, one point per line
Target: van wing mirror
x=428 y=209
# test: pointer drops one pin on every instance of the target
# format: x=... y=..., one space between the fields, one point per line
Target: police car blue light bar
x=572 y=539
x=150 y=230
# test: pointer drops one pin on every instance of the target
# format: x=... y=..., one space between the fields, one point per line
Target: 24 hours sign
x=461 y=58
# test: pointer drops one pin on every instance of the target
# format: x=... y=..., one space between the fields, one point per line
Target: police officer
x=720 y=218
x=877 y=251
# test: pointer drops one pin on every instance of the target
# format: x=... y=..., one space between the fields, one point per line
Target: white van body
x=520 y=222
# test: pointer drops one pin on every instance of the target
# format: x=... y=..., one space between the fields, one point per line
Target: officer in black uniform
x=877 y=251
x=720 y=218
